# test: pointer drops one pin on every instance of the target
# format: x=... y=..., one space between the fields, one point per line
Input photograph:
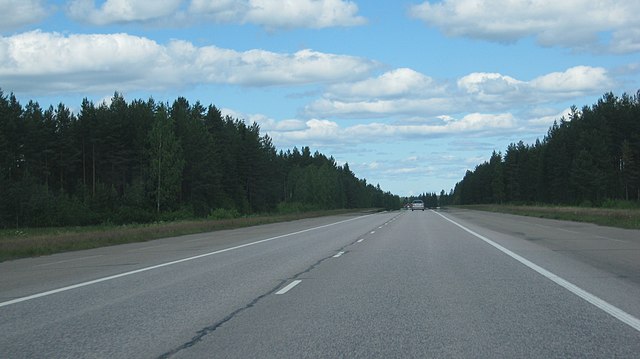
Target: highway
x=432 y=284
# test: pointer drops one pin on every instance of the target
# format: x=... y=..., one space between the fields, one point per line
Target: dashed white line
x=360 y=240
x=338 y=254
x=599 y=303
x=289 y=287
x=373 y=232
x=145 y=269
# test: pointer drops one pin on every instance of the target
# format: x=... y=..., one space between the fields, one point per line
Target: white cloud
x=492 y=88
x=16 y=13
x=41 y=62
x=271 y=14
x=121 y=11
x=303 y=13
x=576 y=80
x=326 y=107
x=47 y=62
x=570 y=23
x=402 y=82
x=223 y=11
x=488 y=84
x=405 y=92
x=501 y=90
x=325 y=132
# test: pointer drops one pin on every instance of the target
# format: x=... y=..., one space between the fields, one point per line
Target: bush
x=177 y=215
x=294 y=207
x=130 y=215
x=620 y=204
x=223 y=213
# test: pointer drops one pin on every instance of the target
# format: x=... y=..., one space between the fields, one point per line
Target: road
x=394 y=285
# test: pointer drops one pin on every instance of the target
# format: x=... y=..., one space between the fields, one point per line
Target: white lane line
x=104 y=279
x=338 y=254
x=360 y=240
x=380 y=227
x=67 y=261
x=289 y=287
x=373 y=232
x=599 y=303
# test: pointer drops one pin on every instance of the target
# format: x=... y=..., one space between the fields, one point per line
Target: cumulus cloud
x=16 y=13
x=492 y=88
x=45 y=62
x=223 y=11
x=405 y=92
x=501 y=90
x=489 y=83
x=403 y=82
x=271 y=14
x=574 y=81
x=121 y=11
x=328 y=132
x=303 y=13
x=327 y=107
x=571 y=23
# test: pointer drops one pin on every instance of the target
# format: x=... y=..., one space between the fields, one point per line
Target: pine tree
x=166 y=161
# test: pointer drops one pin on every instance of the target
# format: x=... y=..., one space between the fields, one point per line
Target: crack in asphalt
x=211 y=328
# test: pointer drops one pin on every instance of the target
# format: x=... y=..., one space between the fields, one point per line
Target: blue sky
x=410 y=93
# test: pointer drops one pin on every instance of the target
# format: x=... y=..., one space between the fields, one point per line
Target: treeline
x=587 y=159
x=431 y=200
x=144 y=161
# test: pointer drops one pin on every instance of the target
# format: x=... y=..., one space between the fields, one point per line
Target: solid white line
x=104 y=279
x=338 y=254
x=289 y=287
x=601 y=304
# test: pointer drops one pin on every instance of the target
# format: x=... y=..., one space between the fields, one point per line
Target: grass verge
x=32 y=242
x=611 y=217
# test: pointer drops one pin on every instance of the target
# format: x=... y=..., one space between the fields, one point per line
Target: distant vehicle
x=417 y=205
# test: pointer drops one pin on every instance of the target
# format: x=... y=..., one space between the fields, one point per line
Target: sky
x=411 y=94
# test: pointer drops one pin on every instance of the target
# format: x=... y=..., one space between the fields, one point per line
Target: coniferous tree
x=587 y=158
x=166 y=161
x=122 y=162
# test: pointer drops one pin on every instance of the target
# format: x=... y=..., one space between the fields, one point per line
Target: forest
x=144 y=161
x=591 y=158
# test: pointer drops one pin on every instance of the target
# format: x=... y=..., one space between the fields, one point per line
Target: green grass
x=628 y=218
x=31 y=242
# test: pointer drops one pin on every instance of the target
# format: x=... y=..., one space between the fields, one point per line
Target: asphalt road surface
x=389 y=285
